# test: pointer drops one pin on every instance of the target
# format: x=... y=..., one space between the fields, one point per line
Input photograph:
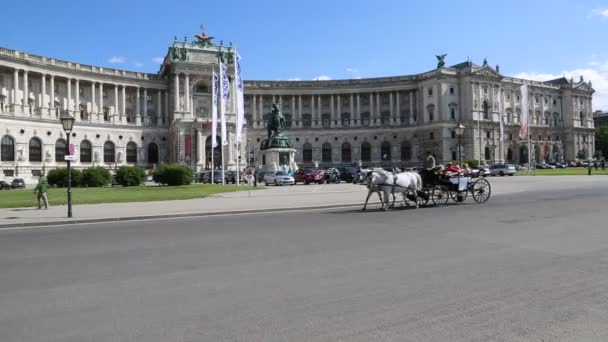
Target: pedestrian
x=589 y=166
x=41 y=191
x=603 y=164
x=596 y=164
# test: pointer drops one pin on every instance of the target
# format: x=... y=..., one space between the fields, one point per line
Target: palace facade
x=132 y=118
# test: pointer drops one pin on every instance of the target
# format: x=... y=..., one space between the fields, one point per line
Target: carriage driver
x=429 y=167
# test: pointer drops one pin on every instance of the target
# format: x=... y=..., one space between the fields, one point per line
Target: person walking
x=603 y=164
x=41 y=191
x=589 y=167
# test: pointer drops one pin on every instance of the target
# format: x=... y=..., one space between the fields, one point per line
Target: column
x=398 y=107
x=69 y=87
x=145 y=117
x=43 y=91
x=319 y=109
x=255 y=111
x=15 y=89
x=200 y=161
x=123 y=107
x=294 y=117
x=261 y=111
x=300 y=109
x=137 y=107
x=158 y=108
x=351 y=107
x=101 y=110
x=77 y=101
x=116 y=111
x=176 y=93
x=371 y=109
x=411 y=118
x=391 y=105
x=166 y=113
x=358 y=113
x=339 y=114
x=378 y=105
x=332 y=113
x=26 y=91
x=312 y=109
x=52 y=99
x=93 y=102
x=186 y=95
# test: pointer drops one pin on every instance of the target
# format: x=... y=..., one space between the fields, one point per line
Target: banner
x=523 y=119
x=214 y=87
x=188 y=145
x=240 y=102
x=224 y=94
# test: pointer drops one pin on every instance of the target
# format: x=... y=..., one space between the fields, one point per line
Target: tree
x=601 y=140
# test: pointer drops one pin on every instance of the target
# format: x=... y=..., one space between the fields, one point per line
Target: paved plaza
x=525 y=266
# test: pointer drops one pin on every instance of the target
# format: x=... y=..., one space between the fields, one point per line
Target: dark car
x=332 y=175
x=18 y=183
x=308 y=176
x=231 y=177
x=4 y=185
x=348 y=174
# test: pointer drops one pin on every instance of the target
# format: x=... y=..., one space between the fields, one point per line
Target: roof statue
x=203 y=39
x=485 y=62
x=441 y=60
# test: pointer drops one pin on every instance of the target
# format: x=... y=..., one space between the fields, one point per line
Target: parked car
x=483 y=170
x=332 y=175
x=18 y=183
x=558 y=165
x=347 y=174
x=279 y=178
x=502 y=170
x=4 y=185
x=205 y=177
x=308 y=176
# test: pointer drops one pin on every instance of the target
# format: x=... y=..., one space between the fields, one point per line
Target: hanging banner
x=188 y=145
x=524 y=117
x=214 y=92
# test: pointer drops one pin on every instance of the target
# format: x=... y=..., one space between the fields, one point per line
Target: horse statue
x=379 y=180
x=276 y=121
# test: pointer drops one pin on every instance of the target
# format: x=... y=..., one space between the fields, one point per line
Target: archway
x=217 y=152
x=152 y=153
x=510 y=155
x=523 y=154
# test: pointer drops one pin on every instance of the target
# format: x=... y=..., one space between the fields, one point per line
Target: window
x=366 y=152
x=7 y=149
x=432 y=135
x=365 y=119
x=307 y=153
x=60 y=146
x=85 y=152
x=517 y=98
x=536 y=99
x=485 y=90
x=152 y=153
x=326 y=120
x=546 y=101
x=108 y=152
x=131 y=152
x=288 y=120
x=488 y=134
x=430 y=91
x=485 y=108
x=554 y=102
x=406 y=150
x=326 y=152
x=306 y=120
x=325 y=101
x=385 y=150
x=345 y=118
x=431 y=110
x=510 y=136
x=452 y=113
x=384 y=99
x=404 y=115
x=453 y=132
x=486 y=153
x=35 y=150
x=346 y=153
x=385 y=118
x=451 y=90
x=249 y=120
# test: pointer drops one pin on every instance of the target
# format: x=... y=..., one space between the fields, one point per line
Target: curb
x=177 y=215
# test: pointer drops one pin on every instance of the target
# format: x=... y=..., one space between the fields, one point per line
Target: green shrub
x=173 y=174
x=471 y=163
x=130 y=176
x=59 y=177
x=96 y=176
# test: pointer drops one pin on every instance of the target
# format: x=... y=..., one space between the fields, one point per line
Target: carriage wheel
x=423 y=197
x=458 y=196
x=440 y=195
x=481 y=190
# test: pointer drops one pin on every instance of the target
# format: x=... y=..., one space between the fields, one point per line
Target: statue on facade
x=441 y=60
x=485 y=62
x=203 y=39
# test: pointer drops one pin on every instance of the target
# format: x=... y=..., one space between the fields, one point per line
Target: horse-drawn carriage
x=428 y=186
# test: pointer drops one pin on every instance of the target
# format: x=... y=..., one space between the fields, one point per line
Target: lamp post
x=459 y=130
x=67 y=121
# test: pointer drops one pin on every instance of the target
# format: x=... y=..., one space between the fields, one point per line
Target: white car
x=502 y=170
x=279 y=178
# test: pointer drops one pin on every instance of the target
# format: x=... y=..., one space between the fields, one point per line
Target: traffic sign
x=70 y=158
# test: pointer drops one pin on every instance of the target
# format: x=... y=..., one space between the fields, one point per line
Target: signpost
x=71 y=156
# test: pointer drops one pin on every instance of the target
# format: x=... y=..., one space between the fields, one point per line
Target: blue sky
x=327 y=39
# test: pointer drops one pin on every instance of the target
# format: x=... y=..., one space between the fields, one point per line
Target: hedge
x=59 y=177
x=96 y=176
x=130 y=176
x=173 y=174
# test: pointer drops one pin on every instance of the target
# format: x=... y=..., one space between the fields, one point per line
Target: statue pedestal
x=278 y=159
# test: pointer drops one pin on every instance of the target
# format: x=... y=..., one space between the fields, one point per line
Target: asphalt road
x=523 y=267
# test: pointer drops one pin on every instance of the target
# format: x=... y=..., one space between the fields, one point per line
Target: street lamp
x=67 y=121
x=459 y=130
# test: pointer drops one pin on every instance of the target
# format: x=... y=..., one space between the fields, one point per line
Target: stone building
x=132 y=118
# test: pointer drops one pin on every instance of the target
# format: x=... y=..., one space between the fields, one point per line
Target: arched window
x=307 y=153
x=35 y=150
x=366 y=152
x=326 y=152
x=346 y=153
x=306 y=120
x=131 y=152
x=86 y=152
x=8 y=149
x=60 y=150
x=152 y=153
x=385 y=150
x=406 y=151
x=108 y=152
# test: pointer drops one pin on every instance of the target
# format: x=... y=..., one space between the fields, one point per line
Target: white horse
x=389 y=183
x=366 y=175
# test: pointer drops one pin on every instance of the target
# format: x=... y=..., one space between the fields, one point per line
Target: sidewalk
x=270 y=199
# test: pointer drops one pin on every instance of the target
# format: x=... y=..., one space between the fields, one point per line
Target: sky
x=330 y=39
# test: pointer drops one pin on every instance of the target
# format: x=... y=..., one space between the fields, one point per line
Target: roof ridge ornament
x=203 y=39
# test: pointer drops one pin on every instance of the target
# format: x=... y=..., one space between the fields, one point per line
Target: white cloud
x=138 y=64
x=599 y=12
x=594 y=63
x=322 y=78
x=352 y=70
x=158 y=59
x=117 y=60
x=597 y=76
x=294 y=79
